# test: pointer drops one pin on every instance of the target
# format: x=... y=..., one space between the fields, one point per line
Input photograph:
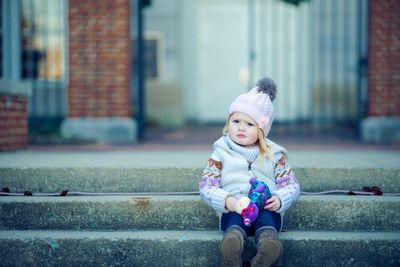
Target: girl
x=241 y=153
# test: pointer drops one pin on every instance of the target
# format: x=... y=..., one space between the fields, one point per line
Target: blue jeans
x=265 y=218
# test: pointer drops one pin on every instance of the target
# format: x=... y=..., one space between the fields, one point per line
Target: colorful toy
x=258 y=195
x=250 y=213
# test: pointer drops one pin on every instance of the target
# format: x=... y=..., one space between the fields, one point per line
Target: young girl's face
x=242 y=129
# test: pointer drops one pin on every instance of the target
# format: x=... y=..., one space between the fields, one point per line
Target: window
x=153 y=56
x=43 y=40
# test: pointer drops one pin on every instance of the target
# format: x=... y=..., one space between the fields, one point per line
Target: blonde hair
x=263 y=147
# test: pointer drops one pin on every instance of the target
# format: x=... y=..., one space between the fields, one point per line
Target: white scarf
x=250 y=153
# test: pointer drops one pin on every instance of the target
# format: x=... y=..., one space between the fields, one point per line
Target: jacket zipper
x=249 y=169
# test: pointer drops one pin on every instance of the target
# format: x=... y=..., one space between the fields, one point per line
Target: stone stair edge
x=330 y=212
x=122 y=179
x=191 y=248
x=186 y=235
x=200 y=167
x=183 y=197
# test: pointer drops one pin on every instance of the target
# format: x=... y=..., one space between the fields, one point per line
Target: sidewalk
x=191 y=147
x=349 y=158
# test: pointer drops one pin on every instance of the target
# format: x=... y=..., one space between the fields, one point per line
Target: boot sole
x=270 y=251
x=231 y=250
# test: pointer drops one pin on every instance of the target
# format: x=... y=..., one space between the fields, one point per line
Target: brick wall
x=99 y=59
x=13 y=122
x=384 y=58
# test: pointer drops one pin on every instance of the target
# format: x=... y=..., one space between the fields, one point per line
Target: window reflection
x=42 y=39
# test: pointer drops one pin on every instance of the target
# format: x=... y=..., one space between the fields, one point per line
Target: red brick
x=384 y=58
x=98 y=38
x=13 y=122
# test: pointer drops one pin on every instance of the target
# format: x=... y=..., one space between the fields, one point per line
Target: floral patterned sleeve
x=288 y=186
x=210 y=186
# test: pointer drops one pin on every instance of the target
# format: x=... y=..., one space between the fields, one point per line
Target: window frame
x=11 y=62
x=11 y=48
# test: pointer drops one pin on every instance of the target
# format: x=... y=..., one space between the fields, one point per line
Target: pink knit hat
x=257 y=103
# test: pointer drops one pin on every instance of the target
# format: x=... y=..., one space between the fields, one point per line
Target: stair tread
x=196 y=234
x=158 y=179
x=191 y=248
x=158 y=197
x=314 y=158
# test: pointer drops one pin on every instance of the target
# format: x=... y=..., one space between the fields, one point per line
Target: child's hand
x=273 y=203
x=230 y=203
x=241 y=204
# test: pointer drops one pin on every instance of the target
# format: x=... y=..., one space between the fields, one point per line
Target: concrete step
x=179 y=179
x=190 y=248
x=329 y=213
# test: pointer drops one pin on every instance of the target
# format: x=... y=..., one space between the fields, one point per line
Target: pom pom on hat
x=257 y=103
x=267 y=86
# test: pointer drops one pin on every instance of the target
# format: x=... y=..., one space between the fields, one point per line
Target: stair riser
x=344 y=213
x=179 y=179
x=126 y=251
x=119 y=213
x=129 y=213
x=104 y=252
x=341 y=253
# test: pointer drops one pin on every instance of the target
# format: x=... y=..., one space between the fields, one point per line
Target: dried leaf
x=376 y=190
x=5 y=189
x=366 y=189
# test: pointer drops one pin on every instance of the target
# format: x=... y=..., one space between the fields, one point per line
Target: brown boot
x=231 y=247
x=269 y=248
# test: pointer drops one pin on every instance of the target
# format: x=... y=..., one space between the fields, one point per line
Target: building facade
x=335 y=62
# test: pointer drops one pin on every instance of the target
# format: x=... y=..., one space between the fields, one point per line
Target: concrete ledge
x=318 y=213
x=380 y=129
x=104 y=130
x=163 y=179
x=190 y=248
x=18 y=88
